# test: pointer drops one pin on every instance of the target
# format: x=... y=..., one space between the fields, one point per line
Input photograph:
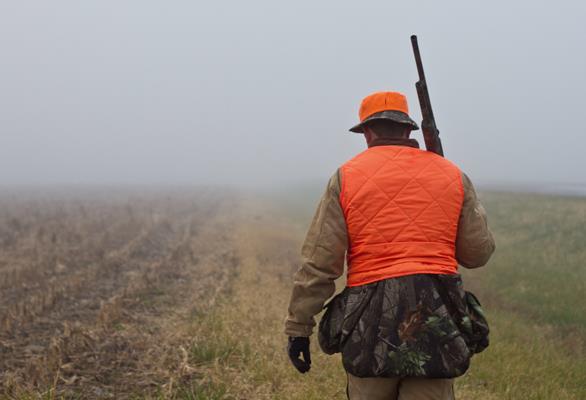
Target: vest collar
x=394 y=142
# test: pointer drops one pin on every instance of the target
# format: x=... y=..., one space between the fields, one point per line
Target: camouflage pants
x=399 y=388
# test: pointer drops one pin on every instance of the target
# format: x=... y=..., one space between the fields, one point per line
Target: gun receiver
x=430 y=131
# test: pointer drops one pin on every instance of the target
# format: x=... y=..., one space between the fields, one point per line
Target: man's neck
x=393 y=142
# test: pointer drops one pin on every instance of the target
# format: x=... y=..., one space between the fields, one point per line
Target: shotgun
x=430 y=132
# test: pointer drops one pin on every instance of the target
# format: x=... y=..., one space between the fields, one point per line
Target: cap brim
x=396 y=116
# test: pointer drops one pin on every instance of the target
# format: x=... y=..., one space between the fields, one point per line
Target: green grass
x=212 y=341
x=522 y=363
x=533 y=290
x=539 y=268
x=208 y=391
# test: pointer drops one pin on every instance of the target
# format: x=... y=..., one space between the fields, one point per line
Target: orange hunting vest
x=402 y=207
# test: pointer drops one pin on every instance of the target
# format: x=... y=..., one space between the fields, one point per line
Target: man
x=404 y=218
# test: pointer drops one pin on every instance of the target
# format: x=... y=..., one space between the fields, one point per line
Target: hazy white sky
x=139 y=91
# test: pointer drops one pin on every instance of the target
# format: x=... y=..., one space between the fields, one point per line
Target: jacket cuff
x=296 y=330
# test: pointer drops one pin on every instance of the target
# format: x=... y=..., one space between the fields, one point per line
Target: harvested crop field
x=181 y=294
x=96 y=284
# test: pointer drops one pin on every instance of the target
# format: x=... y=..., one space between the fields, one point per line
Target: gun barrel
x=418 y=61
x=430 y=131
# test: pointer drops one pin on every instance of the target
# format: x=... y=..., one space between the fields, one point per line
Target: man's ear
x=368 y=134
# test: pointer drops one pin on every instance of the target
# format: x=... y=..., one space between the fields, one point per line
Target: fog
x=263 y=92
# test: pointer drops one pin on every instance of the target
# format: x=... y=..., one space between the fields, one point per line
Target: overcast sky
x=264 y=91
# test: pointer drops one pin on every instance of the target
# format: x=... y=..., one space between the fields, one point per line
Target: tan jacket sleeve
x=323 y=256
x=474 y=243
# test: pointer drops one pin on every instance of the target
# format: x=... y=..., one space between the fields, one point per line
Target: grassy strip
x=522 y=363
x=240 y=347
x=538 y=266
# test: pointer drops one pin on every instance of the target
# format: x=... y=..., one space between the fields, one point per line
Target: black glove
x=297 y=346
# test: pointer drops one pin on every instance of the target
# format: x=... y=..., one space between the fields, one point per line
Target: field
x=181 y=294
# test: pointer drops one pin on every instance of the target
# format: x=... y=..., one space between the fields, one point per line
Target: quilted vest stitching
x=434 y=183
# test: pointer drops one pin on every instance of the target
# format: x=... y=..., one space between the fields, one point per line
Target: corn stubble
x=96 y=290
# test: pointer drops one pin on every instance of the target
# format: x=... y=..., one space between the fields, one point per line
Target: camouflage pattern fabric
x=413 y=326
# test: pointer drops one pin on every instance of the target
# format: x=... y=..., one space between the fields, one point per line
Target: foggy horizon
x=263 y=94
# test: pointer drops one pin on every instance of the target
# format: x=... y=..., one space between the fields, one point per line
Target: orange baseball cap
x=384 y=105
